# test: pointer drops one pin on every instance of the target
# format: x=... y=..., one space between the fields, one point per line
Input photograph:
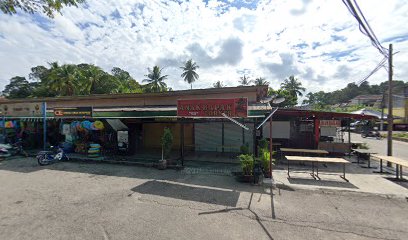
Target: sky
x=318 y=41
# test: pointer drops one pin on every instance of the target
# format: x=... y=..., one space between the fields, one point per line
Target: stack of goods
x=94 y=150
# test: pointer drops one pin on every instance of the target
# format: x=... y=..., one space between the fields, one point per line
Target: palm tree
x=92 y=77
x=261 y=81
x=155 y=81
x=218 y=84
x=189 y=72
x=293 y=86
x=63 y=80
x=245 y=81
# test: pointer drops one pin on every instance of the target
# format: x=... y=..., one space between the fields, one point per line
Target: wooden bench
x=360 y=152
x=317 y=160
x=399 y=163
x=303 y=151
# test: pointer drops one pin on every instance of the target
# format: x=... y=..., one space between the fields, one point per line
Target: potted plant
x=247 y=166
x=167 y=143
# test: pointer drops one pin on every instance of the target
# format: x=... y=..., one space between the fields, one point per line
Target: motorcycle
x=7 y=150
x=49 y=157
x=372 y=133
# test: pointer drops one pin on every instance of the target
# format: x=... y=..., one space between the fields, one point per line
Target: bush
x=167 y=142
x=244 y=149
x=247 y=163
x=263 y=144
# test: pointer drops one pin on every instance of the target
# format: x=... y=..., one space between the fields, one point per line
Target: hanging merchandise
x=86 y=125
x=9 y=124
x=66 y=129
x=98 y=125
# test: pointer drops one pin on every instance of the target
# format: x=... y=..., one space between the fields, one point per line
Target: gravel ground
x=72 y=200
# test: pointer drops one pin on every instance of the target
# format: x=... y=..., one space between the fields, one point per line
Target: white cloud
x=319 y=40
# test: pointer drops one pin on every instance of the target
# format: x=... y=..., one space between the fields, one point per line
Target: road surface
x=71 y=200
x=400 y=149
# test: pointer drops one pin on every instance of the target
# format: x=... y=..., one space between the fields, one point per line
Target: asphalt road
x=400 y=149
x=72 y=200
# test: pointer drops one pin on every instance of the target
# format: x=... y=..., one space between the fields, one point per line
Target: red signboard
x=330 y=123
x=233 y=107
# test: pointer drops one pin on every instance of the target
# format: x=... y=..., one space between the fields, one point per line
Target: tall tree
x=127 y=84
x=18 y=87
x=91 y=80
x=31 y=6
x=64 y=79
x=189 y=72
x=218 y=84
x=155 y=80
x=245 y=81
x=293 y=86
x=260 y=81
x=290 y=100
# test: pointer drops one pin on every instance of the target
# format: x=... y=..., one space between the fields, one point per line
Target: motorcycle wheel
x=42 y=160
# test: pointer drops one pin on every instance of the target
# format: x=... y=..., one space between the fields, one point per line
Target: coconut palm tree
x=189 y=72
x=218 y=84
x=261 y=81
x=63 y=79
x=92 y=77
x=245 y=81
x=293 y=86
x=155 y=80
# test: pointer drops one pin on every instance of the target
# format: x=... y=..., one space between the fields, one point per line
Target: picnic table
x=305 y=151
x=399 y=163
x=317 y=160
x=360 y=152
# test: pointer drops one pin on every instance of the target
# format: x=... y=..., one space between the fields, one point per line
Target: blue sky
x=316 y=40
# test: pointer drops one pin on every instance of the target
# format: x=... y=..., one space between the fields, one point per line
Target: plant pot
x=162 y=164
x=244 y=178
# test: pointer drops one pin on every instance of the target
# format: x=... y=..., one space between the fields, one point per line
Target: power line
x=364 y=26
x=378 y=67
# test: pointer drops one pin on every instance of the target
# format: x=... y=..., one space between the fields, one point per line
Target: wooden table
x=399 y=163
x=303 y=151
x=316 y=160
x=363 y=152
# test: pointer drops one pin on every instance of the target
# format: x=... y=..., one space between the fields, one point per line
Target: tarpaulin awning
x=117 y=125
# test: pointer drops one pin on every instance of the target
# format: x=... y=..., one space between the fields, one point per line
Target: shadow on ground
x=189 y=193
x=402 y=182
x=321 y=183
x=30 y=165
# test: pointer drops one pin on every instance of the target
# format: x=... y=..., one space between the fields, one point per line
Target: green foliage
x=167 y=142
x=218 y=84
x=48 y=7
x=294 y=87
x=155 y=80
x=189 y=72
x=322 y=100
x=71 y=80
x=19 y=87
x=263 y=144
x=247 y=163
x=245 y=81
x=244 y=149
x=260 y=81
x=290 y=100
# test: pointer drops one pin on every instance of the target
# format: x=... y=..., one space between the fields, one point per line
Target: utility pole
x=390 y=117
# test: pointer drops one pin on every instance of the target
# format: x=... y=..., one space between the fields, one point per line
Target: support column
x=182 y=142
x=316 y=132
x=222 y=133
x=44 y=106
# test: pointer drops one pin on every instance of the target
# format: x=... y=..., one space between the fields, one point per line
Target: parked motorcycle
x=48 y=157
x=372 y=133
x=7 y=150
